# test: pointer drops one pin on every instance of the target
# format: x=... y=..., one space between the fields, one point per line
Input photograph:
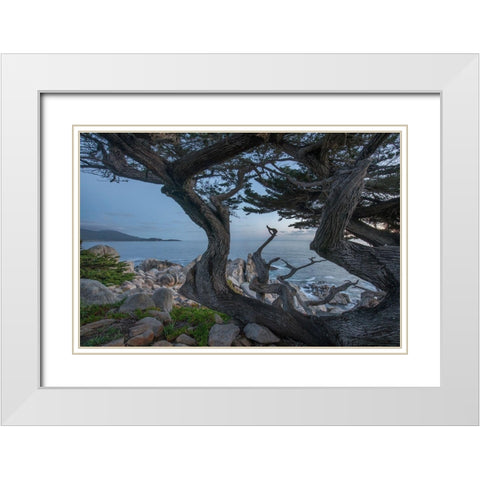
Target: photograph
x=239 y=239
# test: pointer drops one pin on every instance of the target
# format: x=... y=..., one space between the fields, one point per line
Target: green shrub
x=104 y=268
x=92 y=313
x=200 y=318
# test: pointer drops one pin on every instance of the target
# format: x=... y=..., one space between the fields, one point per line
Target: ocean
x=295 y=251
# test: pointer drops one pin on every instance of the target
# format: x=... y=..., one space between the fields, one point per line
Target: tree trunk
x=371 y=235
x=377 y=265
x=206 y=280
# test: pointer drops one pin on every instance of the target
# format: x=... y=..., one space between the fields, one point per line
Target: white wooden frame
x=25 y=77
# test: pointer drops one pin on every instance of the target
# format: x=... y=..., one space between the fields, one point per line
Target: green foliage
x=195 y=315
x=105 y=336
x=92 y=313
x=171 y=332
x=201 y=333
x=104 y=268
x=139 y=314
x=200 y=318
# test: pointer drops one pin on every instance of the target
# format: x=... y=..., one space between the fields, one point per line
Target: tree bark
x=377 y=265
x=206 y=281
x=371 y=235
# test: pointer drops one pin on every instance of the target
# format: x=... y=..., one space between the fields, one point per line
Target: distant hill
x=114 y=236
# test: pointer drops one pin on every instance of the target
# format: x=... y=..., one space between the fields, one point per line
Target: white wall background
x=247 y=26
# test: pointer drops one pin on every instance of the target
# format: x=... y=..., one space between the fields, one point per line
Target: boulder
x=259 y=334
x=138 y=330
x=218 y=319
x=164 y=317
x=138 y=301
x=167 y=280
x=92 y=292
x=119 y=342
x=222 y=335
x=162 y=343
x=242 y=342
x=104 y=250
x=250 y=269
x=127 y=286
x=150 y=263
x=186 y=340
x=95 y=327
x=155 y=325
x=236 y=271
x=135 y=291
x=129 y=266
x=144 y=338
x=163 y=299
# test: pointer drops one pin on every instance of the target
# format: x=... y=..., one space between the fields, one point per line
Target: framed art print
x=284 y=241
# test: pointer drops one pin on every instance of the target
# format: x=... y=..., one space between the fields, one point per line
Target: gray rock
x=104 y=250
x=167 y=280
x=95 y=327
x=186 y=340
x=151 y=263
x=222 y=335
x=162 y=343
x=250 y=269
x=130 y=267
x=119 y=342
x=242 y=342
x=218 y=319
x=155 y=325
x=236 y=270
x=138 y=330
x=246 y=290
x=145 y=338
x=92 y=292
x=135 y=291
x=259 y=334
x=163 y=298
x=148 y=264
x=127 y=286
x=164 y=317
x=138 y=301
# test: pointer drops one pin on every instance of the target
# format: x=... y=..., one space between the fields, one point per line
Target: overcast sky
x=139 y=208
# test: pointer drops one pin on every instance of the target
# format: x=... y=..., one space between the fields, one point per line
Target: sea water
x=295 y=251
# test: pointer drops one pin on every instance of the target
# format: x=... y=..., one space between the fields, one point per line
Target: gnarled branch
x=294 y=270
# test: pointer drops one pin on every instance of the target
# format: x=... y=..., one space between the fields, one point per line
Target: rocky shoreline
x=142 y=309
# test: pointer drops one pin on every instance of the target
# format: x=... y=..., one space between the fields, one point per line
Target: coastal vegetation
x=104 y=268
